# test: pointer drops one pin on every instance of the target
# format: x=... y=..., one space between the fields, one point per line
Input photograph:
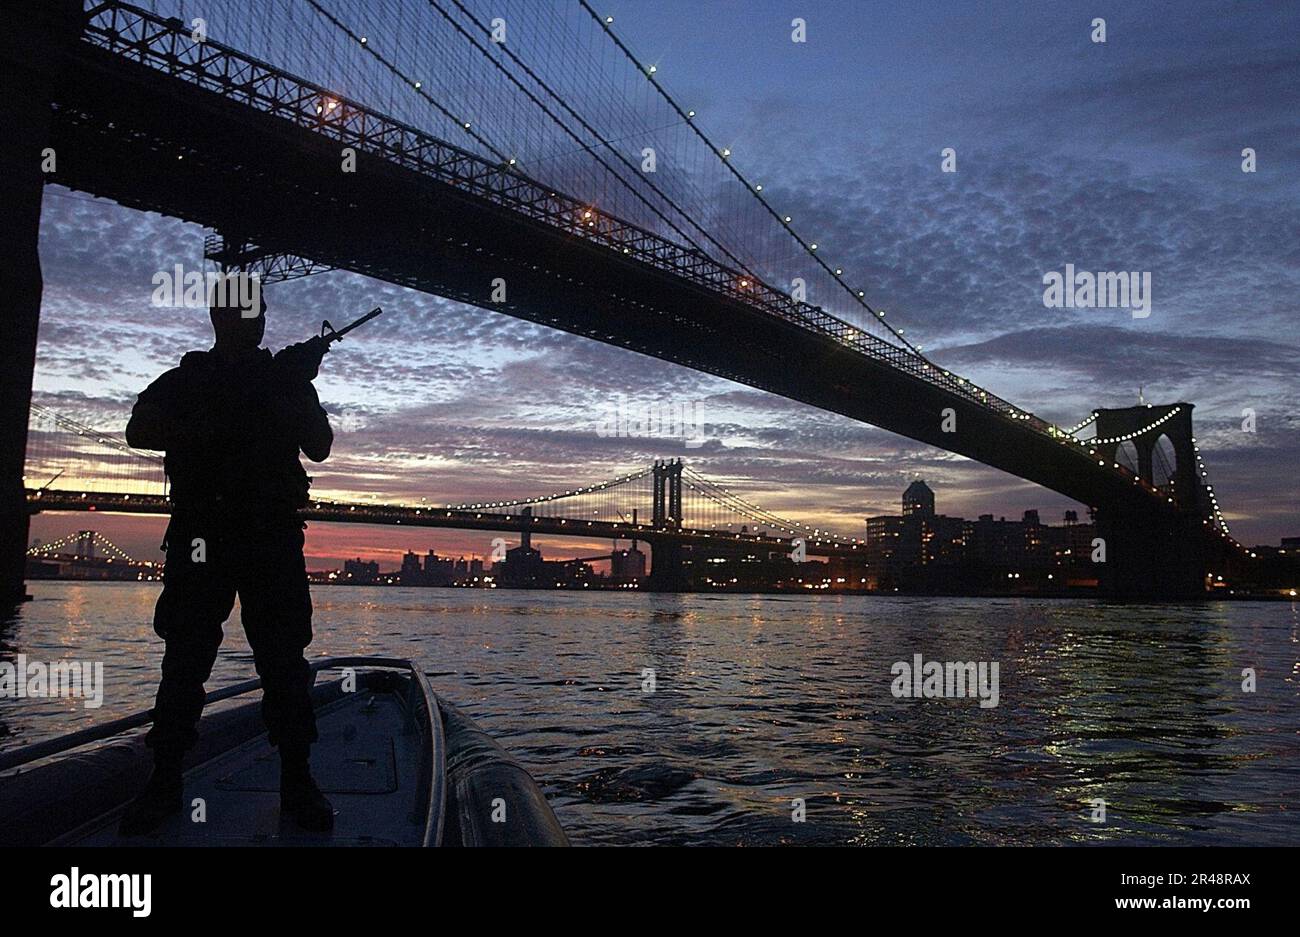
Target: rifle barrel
x=336 y=335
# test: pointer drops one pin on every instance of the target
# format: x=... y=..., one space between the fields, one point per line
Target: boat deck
x=367 y=762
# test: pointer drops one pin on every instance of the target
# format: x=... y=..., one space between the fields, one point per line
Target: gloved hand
x=302 y=361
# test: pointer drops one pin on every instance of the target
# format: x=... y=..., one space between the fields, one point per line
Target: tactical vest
x=247 y=465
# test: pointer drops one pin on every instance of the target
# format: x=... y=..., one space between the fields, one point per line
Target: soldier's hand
x=302 y=361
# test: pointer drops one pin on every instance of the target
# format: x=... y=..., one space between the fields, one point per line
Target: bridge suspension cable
x=669 y=208
x=510 y=162
x=99 y=436
x=1219 y=520
x=554 y=496
x=81 y=458
x=734 y=502
x=1082 y=424
x=416 y=85
x=588 y=128
x=754 y=189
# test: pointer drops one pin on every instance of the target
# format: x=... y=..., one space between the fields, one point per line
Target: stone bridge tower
x=1152 y=552
x=1143 y=426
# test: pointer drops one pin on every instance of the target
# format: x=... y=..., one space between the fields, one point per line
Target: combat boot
x=301 y=800
x=160 y=799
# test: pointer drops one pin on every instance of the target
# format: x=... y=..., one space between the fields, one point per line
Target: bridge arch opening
x=1126 y=454
x=1164 y=463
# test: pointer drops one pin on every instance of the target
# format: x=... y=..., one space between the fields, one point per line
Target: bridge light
x=417 y=86
x=363 y=40
x=690 y=113
x=758 y=188
x=652 y=69
x=725 y=152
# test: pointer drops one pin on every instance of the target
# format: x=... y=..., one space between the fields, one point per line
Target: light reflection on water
x=764 y=699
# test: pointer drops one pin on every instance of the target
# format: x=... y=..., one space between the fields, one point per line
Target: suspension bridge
x=88 y=555
x=456 y=148
x=667 y=505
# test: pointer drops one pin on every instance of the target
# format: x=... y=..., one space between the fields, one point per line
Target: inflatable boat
x=401 y=766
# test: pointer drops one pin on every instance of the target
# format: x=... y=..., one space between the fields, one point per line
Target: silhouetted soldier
x=232 y=421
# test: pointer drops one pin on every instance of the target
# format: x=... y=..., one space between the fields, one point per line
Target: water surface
x=762 y=700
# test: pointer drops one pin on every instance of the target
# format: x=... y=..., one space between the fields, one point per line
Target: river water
x=763 y=703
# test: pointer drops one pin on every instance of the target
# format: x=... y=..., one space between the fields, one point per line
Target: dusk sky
x=1123 y=155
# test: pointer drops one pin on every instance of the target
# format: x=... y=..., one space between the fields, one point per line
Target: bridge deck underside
x=121 y=128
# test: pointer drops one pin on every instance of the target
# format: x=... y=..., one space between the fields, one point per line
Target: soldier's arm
x=317 y=437
x=156 y=421
x=300 y=410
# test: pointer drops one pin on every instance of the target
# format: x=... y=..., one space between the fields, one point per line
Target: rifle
x=303 y=359
x=330 y=334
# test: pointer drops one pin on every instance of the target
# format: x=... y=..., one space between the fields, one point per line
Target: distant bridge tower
x=666 y=572
x=1151 y=553
x=667 y=510
x=85 y=544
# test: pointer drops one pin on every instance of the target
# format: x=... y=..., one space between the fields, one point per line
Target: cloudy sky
x=1123 y=155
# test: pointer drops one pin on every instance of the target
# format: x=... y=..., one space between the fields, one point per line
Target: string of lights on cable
x=723 y=153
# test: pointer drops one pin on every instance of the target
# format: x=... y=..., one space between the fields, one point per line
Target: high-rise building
x=918 y=499
x=411 y=573
x=438 y=570
x=883 y=532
